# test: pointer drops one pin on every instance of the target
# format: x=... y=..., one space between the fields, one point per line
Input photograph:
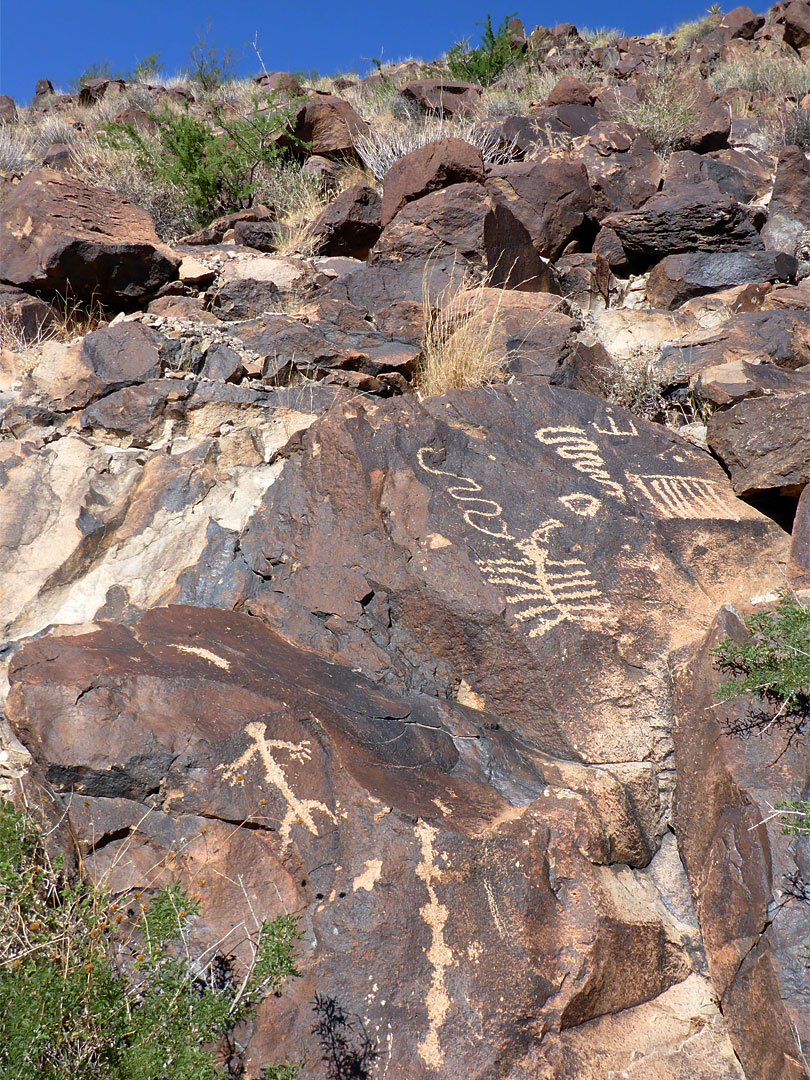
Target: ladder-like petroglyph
x=686 y=497
x=572 y=444
x=547 y=591
x=299 y=811
x=480 y=514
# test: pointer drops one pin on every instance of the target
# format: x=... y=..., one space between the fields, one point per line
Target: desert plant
x=385 y=144
x=772 y=665
x=778 y=76
x=460 y=346
x=87 y=991
x=209 y=67
x=665 y=113
x=486 y=62
x=216 y=168
x=636 y=384
x=693 y=32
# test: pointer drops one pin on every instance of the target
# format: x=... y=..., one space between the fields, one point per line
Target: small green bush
x=209 y=66
x=486 y=62
x=773 y=666
x=88 y=992
x=665 y=113
x=217 y=168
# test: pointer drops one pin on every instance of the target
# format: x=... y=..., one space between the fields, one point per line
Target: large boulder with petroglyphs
x=469 y=899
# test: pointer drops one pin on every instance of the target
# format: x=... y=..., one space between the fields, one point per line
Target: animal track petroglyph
x=299 y=811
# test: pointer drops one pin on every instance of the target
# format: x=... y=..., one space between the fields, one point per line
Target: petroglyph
x=547 y=591
x=629 y=428
x=439 y=955
x=204 y=653
x=581 y=505
x=497 y=919
x=299 y=811
x=687 y=497
x=466 y=492
x=369 y=877
x=572 y=444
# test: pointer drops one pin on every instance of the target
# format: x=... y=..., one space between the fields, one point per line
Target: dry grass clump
x=692 y=33
x=600 y=36
x=635 y=383
x=665 y=113
x=779 y=76
x=386 y=143
x=460 y=347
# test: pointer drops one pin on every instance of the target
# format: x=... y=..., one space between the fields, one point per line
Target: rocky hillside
x=375 y=482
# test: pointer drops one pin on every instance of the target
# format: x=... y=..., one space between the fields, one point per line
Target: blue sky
x=59 y=39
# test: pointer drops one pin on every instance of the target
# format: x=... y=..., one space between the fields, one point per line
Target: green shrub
x=486 y=62
x=88 y=992
x=773 y=666
x=217 y=169
x=209 y=66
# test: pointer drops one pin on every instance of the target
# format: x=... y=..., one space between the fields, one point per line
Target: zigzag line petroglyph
x=572 y=444
x=299 y=811
x=466 y=492
x=547 y=591
x=441 y=958
x=687 y=497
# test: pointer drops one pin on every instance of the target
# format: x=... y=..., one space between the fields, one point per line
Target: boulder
x=550 y=197
x=261 y=235
x=437 y=165
x=740 y=22
x=443 y=97
x=677 y=278
x=8 y=110
x=570 y=91
x=623 y=169
x=329 y=125
x=793 y=17
x=280 y=81
x=350 y=225
x=215 y=232
x=463 y=221
x=798 y=567
x=509 y=508
x=764 y=443
x=741 y=175
x=428 y=852
x=753 y=929
x=28 y=318
x=95 y=89
x=59 y=234
x=697 y=218
x=710 y=129
x=788 y=224
x=735 y=380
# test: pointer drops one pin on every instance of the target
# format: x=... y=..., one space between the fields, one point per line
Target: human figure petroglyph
x=466 y=491
x=547 y=591
x=572 y=444
x=299 y=811
x=686 y=497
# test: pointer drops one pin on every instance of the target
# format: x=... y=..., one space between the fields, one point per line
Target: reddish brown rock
x=740 y=22
x=26 y=317
x=788 y=223
x=95 y=89
x=329 y=125
x=570 y=91
x=623 y=170
x=794 y=18
x=60 y=234
x=798 y=568
x=462 y=221
x=350 y=225
x=443 y=96
x=236 y=725
x=8 y=110
x=697 y=218
x=280 y=81
x=437 y=165
x=710 y=129
x=765 y=444
x=677 y=278
x=550 y=197
x=740 y=866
